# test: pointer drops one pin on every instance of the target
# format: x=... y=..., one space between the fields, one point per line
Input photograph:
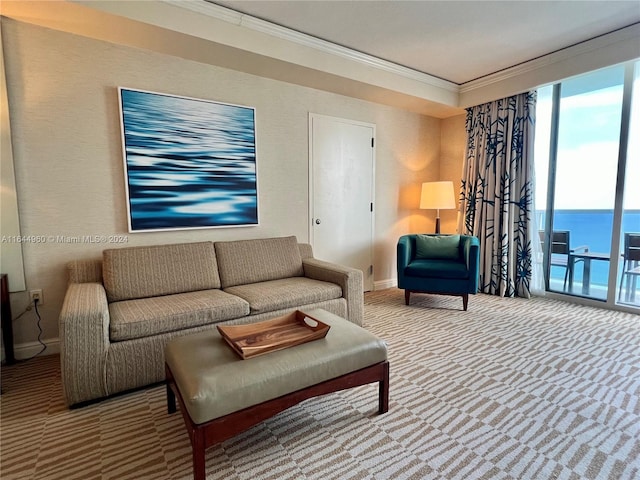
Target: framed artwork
x=189 y=163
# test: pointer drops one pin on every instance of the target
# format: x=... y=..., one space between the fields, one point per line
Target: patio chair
x=560 y=251
x=630 y=266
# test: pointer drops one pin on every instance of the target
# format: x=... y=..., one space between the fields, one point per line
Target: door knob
x=317 y=221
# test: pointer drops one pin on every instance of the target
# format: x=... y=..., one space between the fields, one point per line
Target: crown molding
x=624 y=34
x=531 y=69
x=247 y=21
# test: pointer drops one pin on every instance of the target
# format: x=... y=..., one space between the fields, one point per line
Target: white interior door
x=342 y=159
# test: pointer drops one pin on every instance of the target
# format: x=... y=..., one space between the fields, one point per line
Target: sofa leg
x=465 y=301
x=407 y=293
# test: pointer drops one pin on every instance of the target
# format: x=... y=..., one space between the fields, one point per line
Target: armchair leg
x=465 y=296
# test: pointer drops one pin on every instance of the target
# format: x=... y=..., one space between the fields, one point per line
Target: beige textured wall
x=452 y=148
x=68 y=160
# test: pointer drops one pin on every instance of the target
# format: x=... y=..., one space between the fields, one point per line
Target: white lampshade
x=437 y=195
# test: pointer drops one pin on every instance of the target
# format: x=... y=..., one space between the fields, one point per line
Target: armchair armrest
x=404 y=252
x=349 y=279
x=84 y=341
x=471 y=252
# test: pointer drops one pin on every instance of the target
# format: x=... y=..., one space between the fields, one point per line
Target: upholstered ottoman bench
x=221 y=395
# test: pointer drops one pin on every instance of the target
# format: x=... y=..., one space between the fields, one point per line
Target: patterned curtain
x=497 y=192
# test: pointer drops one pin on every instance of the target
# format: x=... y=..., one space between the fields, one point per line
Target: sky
x=588 y=139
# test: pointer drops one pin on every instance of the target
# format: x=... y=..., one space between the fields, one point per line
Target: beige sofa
x=119 y=312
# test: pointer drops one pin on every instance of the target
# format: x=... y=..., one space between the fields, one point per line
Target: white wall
x=63 y=104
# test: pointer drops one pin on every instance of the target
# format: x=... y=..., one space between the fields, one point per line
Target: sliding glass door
x=629 y=276
x=587 y=217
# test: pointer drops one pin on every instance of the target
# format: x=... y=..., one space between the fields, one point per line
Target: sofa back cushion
x=140 y=272
x=249 y=261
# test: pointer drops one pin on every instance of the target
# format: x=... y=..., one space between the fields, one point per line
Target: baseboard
x=25 y=351
x=384 y=284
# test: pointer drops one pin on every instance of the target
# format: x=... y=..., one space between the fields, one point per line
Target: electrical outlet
x=36 y=295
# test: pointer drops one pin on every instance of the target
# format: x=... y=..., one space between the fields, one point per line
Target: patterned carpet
x=511 y=389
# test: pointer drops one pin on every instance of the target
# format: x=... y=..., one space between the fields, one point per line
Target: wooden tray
x=271 y=335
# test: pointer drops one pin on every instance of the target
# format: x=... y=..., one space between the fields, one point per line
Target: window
x=582 y=147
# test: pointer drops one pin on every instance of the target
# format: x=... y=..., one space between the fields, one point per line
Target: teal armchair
x=440 y=264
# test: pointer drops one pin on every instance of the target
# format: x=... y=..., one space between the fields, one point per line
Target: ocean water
x=593 y=228
x=190 y=163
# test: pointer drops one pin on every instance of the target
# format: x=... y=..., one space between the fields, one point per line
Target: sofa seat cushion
x=140 y=272
x=437 y=269
x=152 y=316
x=285 y=293
x=251 y=261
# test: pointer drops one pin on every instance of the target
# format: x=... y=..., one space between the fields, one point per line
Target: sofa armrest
x=306 y=250
x=84 y=341
x=349 y=279
x=85 y=271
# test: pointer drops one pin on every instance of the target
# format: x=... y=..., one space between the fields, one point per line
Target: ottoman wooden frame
x=215 y=431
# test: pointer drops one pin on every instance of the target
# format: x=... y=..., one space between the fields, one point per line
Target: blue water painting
x=190 y=163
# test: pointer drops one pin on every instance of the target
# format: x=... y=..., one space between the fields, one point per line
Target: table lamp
x=436 y=196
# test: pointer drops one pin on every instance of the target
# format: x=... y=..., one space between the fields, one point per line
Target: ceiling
x=435 y=58
x=455 y=41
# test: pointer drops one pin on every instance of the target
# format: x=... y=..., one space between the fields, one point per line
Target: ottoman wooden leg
x=198 y=447
x=171 y=396
x=383 y=390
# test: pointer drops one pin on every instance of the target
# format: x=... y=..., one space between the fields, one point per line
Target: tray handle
x=311 y=322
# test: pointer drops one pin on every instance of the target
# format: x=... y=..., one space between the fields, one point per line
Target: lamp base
x=437 y=224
